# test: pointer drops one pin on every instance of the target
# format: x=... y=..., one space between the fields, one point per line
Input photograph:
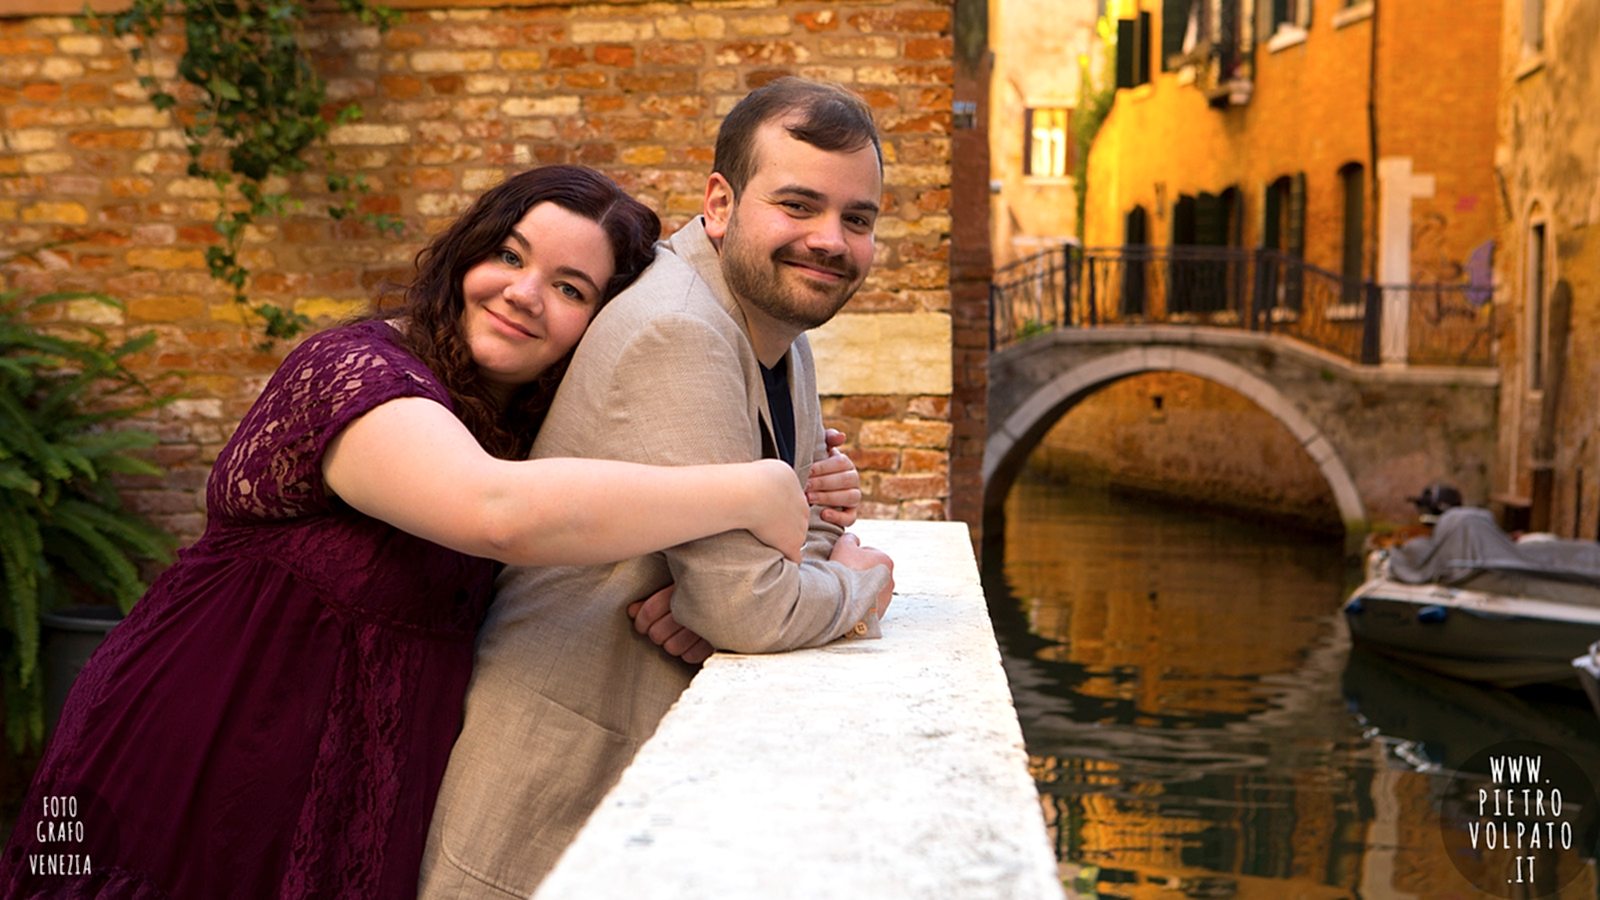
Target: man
x=702 y=360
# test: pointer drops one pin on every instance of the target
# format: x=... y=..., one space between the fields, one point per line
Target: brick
x=657 y=82
x=923 y=462
x=866 y=406
x=672 y=55
x=877 y=460
x=761 y=26
x=902 y=21
x=911 y=487
x=932 y=435
x=59 y=213
x=869 y=47
x=761 y=53
x=36 y=91
x=541 y=106
x=46 y=163
x=330 y=308
x=451 y=61
x=825 y=20
x=30 y=140
x=567 y=57
x=165 y=309
x=152 y=258
x=80 y=44
x=610 y=32
x=923 y=510
x=584 y=80
x=615 y=55
x=61 y=69
x=925 y=49
x=871 y=509
x=644 y=156
x=687 y=28
x=446 y=84
x=521 y=60
x=362 y=133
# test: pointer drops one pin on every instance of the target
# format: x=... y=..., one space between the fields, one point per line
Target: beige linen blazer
x=563 y=691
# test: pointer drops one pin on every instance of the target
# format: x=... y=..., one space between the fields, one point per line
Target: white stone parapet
x=889 y=768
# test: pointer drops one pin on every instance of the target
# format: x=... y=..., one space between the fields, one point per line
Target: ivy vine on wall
x=252 y=111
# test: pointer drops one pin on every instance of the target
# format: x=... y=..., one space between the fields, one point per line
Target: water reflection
x=1197 y=723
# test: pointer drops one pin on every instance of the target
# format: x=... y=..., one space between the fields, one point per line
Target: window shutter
x=1210 y=227
x=1174 y=22
x=1027 y=141
x=1126 y=53
x=1145 y=38
x=1297 y=216
x=1271 y=216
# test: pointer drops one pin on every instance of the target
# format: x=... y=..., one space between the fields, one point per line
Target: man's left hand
x=652 y=617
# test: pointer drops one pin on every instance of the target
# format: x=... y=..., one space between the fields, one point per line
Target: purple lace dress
x=274 y=717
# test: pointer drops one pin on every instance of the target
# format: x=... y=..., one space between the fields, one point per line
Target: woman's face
x=529 y=302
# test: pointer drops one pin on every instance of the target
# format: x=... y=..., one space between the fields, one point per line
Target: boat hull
x=1503 y=641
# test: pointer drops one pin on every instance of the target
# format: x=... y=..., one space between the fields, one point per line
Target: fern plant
x=64 y=532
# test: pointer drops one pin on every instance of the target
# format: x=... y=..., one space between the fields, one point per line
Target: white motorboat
x=1470 y=603
x=1588 y=668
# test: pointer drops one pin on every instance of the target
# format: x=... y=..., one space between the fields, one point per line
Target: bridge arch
x=1010 y=443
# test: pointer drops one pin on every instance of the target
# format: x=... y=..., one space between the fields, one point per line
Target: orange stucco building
x=1356 y=136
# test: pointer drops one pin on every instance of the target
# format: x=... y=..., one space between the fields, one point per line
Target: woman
x=273 y=718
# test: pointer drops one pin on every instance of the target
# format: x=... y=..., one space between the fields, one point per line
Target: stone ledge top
x=889 y=768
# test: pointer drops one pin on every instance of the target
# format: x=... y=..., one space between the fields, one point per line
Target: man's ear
x=718 y=206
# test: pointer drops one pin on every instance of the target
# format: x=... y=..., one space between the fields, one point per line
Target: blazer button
x=861 y=628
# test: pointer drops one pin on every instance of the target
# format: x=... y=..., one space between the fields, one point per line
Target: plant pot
x=67 y=638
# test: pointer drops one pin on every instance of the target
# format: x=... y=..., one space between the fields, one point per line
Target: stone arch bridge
x=1374 y=432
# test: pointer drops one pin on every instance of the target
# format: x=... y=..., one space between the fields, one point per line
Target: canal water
x=1198 y=725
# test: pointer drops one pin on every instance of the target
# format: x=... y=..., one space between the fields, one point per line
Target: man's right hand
x=849 y=553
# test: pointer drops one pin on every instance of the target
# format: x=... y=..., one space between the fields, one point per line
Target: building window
x=1353 y=185
x=1048 y=150
x=1133 y=50
x=1532 y=27
x=1538 y=301
x=1286 y=23
x=1284 y=230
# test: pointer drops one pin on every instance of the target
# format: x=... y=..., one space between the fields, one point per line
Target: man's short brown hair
x=826 y=116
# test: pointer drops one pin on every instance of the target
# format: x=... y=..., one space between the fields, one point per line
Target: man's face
x=797 y=243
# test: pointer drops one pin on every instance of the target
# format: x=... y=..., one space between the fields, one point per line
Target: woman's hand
x=779 y=514
x=652 y=617
x=835 y=484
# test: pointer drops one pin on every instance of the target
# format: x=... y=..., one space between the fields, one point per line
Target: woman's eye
x=570 y=291
x=510 y=257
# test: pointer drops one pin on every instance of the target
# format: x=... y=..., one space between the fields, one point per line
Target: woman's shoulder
x=361 y=354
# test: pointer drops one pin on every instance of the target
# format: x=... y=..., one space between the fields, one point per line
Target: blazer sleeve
x=679 y=386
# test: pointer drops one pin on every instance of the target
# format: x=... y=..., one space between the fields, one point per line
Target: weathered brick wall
x=1548 y=160
x=455 y=99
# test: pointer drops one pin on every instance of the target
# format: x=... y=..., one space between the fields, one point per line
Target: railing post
x=1371 y=324
x=1088 y=263
x=1066 y=286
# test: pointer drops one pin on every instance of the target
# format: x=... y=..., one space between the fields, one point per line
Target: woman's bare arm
x=414 y=465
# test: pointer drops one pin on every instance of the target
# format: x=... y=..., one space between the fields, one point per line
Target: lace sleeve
x=272 y=467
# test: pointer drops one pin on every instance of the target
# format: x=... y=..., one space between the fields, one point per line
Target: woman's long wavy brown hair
x=433 y=299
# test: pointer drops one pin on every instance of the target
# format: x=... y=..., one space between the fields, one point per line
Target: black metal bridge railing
x=1258 y=290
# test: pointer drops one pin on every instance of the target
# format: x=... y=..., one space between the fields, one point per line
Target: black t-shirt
x=781 y=406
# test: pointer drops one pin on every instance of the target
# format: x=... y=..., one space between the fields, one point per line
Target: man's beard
x=759 y=280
